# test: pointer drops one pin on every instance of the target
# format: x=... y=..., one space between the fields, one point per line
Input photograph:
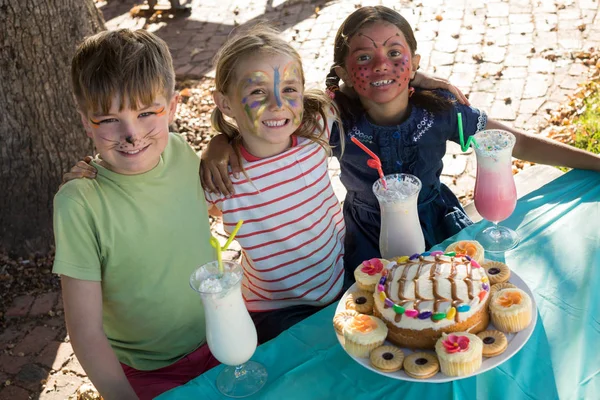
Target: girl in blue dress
x=375 y=56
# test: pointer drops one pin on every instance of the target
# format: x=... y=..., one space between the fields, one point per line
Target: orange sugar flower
x=466 y=248
x=363 y=323
x=510 y=298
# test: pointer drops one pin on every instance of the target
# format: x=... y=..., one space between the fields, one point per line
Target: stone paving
x=516 y=59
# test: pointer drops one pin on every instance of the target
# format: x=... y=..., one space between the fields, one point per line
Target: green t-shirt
x=141 y=236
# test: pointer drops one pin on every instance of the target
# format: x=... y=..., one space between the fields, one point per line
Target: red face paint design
x=379 y=62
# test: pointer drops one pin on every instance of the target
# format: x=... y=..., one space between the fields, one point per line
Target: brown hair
x=136 y=66
x=350 y=106
x=262 y=38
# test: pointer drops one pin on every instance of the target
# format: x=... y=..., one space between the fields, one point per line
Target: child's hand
x=425 y=81
x=82 y=169
x=213 y=166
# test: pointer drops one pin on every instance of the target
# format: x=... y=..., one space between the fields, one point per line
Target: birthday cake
x=422 y=296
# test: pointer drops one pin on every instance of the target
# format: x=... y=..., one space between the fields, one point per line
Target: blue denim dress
x=416 y=147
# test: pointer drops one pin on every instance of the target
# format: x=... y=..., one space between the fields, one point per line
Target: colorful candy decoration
x=412 y=313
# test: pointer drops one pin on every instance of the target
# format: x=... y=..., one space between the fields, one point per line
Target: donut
x=387 y=358
x=421 y=365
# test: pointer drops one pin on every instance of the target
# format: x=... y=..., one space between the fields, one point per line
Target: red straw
x=373 y=156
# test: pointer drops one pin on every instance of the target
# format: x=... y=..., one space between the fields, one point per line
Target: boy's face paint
x=131 y=141
x=379 y=62
x=268 y=104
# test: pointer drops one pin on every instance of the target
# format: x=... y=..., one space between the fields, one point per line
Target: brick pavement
x=514 y=58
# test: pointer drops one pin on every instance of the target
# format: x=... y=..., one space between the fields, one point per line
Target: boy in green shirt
x=127 y=241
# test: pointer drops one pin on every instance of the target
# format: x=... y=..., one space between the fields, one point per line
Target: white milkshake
x=401 y=233
x=230 y=332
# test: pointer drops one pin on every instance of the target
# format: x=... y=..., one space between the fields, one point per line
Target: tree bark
x=41 y=135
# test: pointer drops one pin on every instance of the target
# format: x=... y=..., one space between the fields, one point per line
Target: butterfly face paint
x=379 y=62
x=270 y=95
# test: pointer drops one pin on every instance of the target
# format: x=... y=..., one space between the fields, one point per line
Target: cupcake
x=511 y=310
x=471 y=248
x=364 y=333
x=459 y=353
x=368 y=273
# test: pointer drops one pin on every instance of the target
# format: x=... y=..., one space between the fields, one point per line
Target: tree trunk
x=41 y=135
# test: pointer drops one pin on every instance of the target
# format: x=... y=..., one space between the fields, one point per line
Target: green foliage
x=587 y=133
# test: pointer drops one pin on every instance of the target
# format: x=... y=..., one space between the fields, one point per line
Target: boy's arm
x=541 y=150
x=83 y=315
x=214 y=210
x=213 y=166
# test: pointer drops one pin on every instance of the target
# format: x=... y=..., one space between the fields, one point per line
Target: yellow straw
x=215 y=243
x=235 y=231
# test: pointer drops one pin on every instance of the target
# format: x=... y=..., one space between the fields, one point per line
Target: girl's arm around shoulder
x=83 y=314
x=215 y=160
x=541 y=150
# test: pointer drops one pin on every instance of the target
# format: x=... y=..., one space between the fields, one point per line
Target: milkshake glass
x=401 y=233
x=230 y=332
x=495 y=190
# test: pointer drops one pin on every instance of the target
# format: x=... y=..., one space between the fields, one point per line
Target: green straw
x=464 y=146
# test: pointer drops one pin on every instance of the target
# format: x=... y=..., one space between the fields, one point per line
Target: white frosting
x=514 y=309
x=424 y=283
x=474 y=350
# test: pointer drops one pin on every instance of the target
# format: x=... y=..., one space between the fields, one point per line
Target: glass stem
x=495 y=232
x=239 y=371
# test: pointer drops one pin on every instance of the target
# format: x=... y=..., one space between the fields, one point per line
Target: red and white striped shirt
x=293 y=232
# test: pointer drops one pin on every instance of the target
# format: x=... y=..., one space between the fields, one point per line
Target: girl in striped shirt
x=293 y=231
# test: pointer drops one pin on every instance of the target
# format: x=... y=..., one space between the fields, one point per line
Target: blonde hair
x=262 y=38
x=136 y=66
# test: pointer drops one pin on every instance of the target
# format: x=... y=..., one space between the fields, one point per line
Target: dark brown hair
x=350 y=106
x=136 y=66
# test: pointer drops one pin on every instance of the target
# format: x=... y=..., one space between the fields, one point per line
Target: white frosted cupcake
x=511 y=310
x=369 y=272
x=364 y=333
x=471 y=248
x=459 y=353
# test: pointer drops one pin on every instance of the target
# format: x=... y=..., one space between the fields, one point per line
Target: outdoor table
x=558 y=258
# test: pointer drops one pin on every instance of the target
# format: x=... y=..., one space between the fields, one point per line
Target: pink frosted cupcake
x=369 y=272
x=459 y=353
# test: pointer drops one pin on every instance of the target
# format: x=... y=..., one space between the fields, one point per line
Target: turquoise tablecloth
x=558 y=257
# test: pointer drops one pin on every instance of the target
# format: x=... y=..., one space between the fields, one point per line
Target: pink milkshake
x=495 y=194
x=495 y=191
